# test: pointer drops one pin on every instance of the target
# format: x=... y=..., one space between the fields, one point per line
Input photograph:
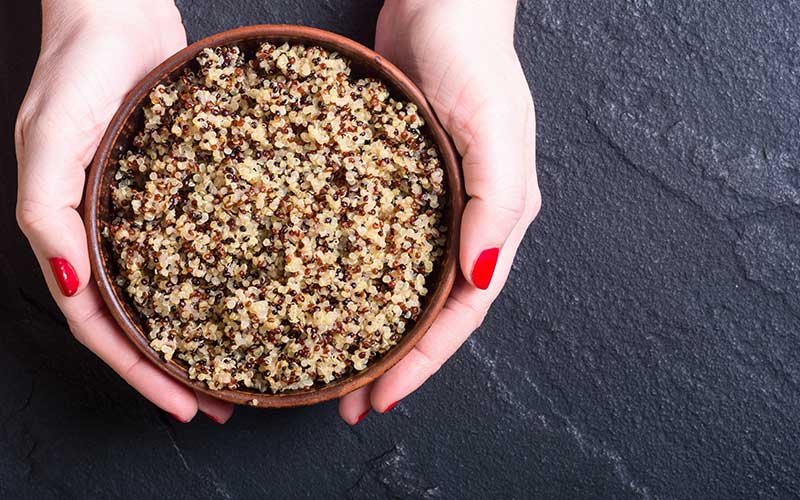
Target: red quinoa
x=277 y=218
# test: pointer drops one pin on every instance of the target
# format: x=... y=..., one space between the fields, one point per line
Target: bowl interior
x=129 y=120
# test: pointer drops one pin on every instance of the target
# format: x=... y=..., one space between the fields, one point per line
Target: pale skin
x=459 y=52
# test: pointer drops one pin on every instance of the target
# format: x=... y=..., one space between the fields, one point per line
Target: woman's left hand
x=461 y=54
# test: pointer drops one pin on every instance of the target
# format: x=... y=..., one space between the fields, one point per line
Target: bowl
x=127 y=121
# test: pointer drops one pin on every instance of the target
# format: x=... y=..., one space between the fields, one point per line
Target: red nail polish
x=213 y=418
x=361 y=417
x=390 y=407
x=484 y=268
x=179 y=419
x=65 y=275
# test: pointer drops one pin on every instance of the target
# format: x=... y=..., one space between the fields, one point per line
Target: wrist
x=489 y=23
x=105 y=5
x=495 y=15
x=57 y=12
x=413 y=5
x=407 y=4
x=62 y=18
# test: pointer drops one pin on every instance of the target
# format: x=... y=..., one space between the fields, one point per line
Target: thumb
x=51 y=180
x=496 y=167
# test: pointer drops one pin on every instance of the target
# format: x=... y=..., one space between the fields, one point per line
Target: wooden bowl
x=128 y=120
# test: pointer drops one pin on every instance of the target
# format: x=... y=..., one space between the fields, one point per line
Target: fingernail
x=179 y=419
x=484 y=268
x=390 y=407
x=213 y=418
x=361 y=417
x=65 y=275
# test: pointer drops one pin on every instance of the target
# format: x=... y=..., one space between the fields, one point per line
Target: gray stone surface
x=647 y=343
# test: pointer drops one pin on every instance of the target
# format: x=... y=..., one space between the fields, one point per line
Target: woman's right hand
x=93 y=52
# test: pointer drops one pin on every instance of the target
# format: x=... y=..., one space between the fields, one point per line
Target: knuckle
x=534 y=206
x=78 y=335
x=24 y=218
x=28 y=216
x=18 y=127
x=29 y=110
x=513 y=205
x=134 y=365
x=477 y=321
x=517 y=207
x=79 y=324
x=427 y=362
x=461 y=308
x=21 y=127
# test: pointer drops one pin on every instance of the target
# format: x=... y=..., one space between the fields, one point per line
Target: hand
x=93 y=52
x=461 y=54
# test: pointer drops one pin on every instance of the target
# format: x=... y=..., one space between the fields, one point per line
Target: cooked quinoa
x=276 y=220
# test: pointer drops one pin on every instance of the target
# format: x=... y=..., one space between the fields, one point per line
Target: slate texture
x=646 y=345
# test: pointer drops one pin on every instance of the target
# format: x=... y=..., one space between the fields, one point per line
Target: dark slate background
x=646 y=345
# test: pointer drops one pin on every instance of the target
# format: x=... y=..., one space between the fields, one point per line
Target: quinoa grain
x=276 y=220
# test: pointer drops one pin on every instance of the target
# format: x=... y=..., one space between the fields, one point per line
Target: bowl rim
x=356 y=52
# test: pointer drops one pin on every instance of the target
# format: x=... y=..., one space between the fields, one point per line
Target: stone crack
x=584 y=443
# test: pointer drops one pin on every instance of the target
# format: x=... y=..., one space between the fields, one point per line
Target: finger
x=490 y=116
x=453 y=325
x=217 y=410
x=51 y=182
x=91 y=324
x=496 y=168
x=353 y=407
x=462 y=314
x=50 y=186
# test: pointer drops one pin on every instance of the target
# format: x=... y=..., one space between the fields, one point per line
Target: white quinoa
x=276 y=220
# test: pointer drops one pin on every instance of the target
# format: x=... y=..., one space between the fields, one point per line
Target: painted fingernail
x=390 y=407
x=65 y=275
x=179 y=419
x=484 y=268
x=361 y=417
x=213 y=418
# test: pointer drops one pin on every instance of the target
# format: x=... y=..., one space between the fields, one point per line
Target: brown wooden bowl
x=128 y=121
